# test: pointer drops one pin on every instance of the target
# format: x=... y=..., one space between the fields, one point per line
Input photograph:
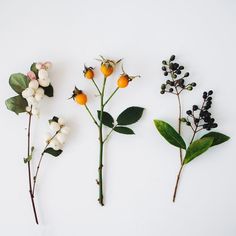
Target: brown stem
x=177 y=182
x=179 y=124
x=29 y=172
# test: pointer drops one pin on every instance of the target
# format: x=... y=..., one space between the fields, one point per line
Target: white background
x=140 y=170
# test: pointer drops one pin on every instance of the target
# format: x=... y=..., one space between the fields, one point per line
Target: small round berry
x=163 y=86
x=162 y=91
x=55 y=144
x=61 y=138
x=195 y=107
x=123 y=81
x=106 y=69
x=165 y=73
x=188 y=123
x=189 y=112
x=178 y=72
x=164 y=62
x=42 y=74
x=171 y=90
x=172 y=58
x=194 y=84
x=181 y=67
x=81 y=98
x=89 y=74
x=61 y=121
x=210 y=92
x=186 y=74
x=65 y=130
x=54 y=126
x=163 y=68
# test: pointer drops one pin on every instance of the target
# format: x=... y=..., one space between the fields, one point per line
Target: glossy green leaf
x=197 y=148
x=130 y=115
x=123 y=130
x=18 y=82
x=48 y=91
x=107 y=119
x=53 y=152
x=170 y=134
x=218 y=137
x=34 y=69
x=16 y=104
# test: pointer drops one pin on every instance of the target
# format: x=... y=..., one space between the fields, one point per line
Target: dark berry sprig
x=176 y=84
x=200 y=118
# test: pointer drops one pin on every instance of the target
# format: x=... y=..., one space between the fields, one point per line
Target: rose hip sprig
x=127 y=117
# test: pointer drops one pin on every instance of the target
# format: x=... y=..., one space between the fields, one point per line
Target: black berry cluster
x=201 y=117
x=177 y=82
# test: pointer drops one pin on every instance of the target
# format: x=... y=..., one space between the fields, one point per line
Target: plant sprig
x=129 y=116
x=198 y=119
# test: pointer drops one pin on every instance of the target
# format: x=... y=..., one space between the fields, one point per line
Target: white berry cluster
x=35 y=91
x=60 y=132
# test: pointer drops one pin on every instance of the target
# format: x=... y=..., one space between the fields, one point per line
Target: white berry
x=65 y=130
x=33 y=84
x=35 y=111
x=55 y=144
x=42 y=74
x=61 y=138
x=61 y=121
x=44 y=82
x=39 y=91
x=54 y=126
x=38 y=97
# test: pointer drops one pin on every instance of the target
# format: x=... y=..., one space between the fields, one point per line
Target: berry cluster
x=38 y=81
x=201 y=117
x=177 y=83
x=60 y=130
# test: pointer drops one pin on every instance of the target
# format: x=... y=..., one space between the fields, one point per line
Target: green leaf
x=53 y=152
x=18 y=82
x=16 y=104
x=107 y=119
x=130 y=115
x=48 y=91
x=197 y=148
x=218 y=138
x=34 y=69
x=170 y=134
x=29 y=158
x=123 y=130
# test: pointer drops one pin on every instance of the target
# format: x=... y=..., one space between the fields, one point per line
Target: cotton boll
x=44 y=82
x=42 y=74
x=55 y=144
x=39 y=91
x=34 y=84
x=65 y=130
x=61 y=121
x=38 y=97
x=54 y=126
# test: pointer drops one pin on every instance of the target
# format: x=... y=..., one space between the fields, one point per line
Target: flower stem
x=177 y=182
x=90 y=113
x=100 y=178
x=96 y=87
x=111 y=96
x=29 y=171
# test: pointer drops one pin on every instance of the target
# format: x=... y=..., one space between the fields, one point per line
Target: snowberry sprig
x=54 y=142
x=31 y=88
x=127 y=117
x=198 y=118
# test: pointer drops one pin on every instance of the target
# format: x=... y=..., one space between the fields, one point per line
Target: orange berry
x=106 y=69
x=123 y=81
x=89 y=74
x=81 y=98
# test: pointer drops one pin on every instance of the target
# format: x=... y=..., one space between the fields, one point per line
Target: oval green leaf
x=218 y=138
x=53 y=152
x=107 y=119
x=123 y=130
x=16 y=104
x=197 y=148
x=170 y=134
x=18 y=82
x=130 y=115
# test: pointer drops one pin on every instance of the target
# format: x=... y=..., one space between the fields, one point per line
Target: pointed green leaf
x=123 y=130
x=16 y=104
x=170 y=134
x=53 y=152
x=130 y=115
x=107 y=119
x=197 y=148
x=34 y=69
x=48 y=91
x=218 y=138
x=18 y=82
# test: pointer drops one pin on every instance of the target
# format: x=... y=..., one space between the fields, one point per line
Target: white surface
x=140 y=171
